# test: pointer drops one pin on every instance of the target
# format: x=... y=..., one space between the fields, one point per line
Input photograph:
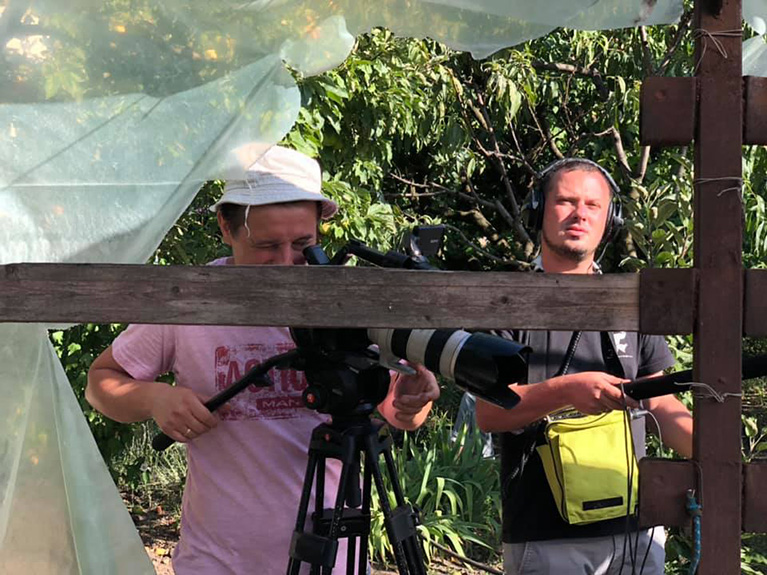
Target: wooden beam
x=718 y=258
x=667 y=112
x=667 y=301
x=663 y=486
x=315 y=296
x=755 y=120
x=754 y=500
x=711 y=7
x=755 y=304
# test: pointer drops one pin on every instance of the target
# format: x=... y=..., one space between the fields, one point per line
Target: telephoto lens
x=481 y=363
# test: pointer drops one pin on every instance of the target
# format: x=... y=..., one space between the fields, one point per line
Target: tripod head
x=345 y=377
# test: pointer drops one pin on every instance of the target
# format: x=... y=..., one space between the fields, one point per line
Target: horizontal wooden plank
x=755 y=304
x=755 y=112
x=663 y=486
x=667 y=111
x=315 y=296
x=667 y=301
x=754 y=501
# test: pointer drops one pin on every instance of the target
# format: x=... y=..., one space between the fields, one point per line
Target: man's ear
x=223 y=225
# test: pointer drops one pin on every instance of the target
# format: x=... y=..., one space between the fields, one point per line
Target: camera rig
x=347 y=378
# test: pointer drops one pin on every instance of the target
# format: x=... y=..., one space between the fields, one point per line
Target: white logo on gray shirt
x=621 y=346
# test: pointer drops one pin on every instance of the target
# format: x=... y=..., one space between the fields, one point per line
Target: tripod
x=345 y=439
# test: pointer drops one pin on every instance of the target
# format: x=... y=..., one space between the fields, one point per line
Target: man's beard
x=576 y=255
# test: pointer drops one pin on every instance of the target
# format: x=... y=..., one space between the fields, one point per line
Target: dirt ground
x=159 y=532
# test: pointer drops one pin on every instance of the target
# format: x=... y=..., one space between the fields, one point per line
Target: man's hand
x=414 y=392
x=181 y=413
x=595 y=392
x=410 y=398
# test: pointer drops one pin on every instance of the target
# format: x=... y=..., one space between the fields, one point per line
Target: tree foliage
x=442 y=136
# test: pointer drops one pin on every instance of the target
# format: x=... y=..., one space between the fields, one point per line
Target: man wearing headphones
x=576 y=208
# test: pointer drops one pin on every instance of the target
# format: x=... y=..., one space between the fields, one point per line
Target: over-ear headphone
x=533 y=208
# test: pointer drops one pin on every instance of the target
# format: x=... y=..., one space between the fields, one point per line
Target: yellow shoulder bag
x=591 y=466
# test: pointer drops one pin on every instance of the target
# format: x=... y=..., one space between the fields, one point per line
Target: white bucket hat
x=281 y=175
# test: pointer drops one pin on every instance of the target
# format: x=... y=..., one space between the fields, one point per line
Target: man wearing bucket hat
x=247 y=463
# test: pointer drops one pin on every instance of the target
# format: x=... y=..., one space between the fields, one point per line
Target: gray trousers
x=611 y=555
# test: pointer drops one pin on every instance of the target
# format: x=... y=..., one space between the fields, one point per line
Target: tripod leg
x=319 y=501
x=303 y=508
x=400 y=523
x=411 y=543
x=351 y=555
x=349 y=472
x=366 y=494
x=313 y=548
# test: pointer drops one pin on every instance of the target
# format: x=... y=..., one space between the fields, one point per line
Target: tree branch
x=574 y=70
x=477 y=216
x=475 y=196
x=644 y=160
x=647 y=63
x=620 y=152
x=684 y=23
x=550 y=137
x=525 y=160
x=466 y=560
x=11 y=19
x=516 y=264
x=546 y=135
x=496 y=157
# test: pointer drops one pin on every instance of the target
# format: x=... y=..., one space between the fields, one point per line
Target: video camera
x=482 y=364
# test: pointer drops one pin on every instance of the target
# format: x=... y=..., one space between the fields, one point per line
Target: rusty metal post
x=718 y=258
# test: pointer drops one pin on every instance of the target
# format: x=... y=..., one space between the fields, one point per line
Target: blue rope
x=695 y=510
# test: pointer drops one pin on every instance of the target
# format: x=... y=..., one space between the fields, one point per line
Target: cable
x=695 y=510
x=660 y=448
x=736 y=188
x=629 y=479
x=719 y=397
x=657 y=426
x=634 y=550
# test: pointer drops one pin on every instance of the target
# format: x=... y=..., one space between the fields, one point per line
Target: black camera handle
x=390 y=259
x=679 y=381
x=256 y=376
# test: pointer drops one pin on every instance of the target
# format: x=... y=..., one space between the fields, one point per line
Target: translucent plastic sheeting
x=60 y=513
x=112 y=114
x=755 y=57
x=755 y=13
x=755 y=49
x=112 y=174
x=89 y=52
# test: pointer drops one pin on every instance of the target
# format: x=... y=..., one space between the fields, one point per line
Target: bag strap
x=573 y=345
x=610 y=356
x=539 y=341
x=617 y=367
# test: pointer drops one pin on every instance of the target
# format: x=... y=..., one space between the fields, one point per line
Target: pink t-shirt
x=245 y=476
